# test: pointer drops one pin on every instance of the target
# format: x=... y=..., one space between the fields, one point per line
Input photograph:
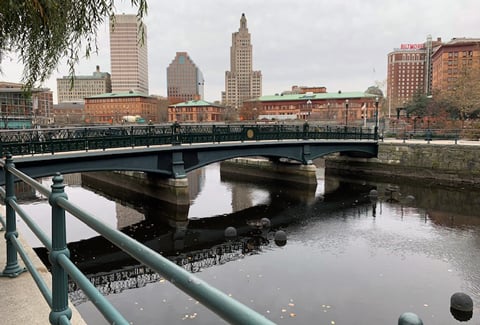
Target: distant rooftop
x=12 y=87
x=196 y=103
x=130 y=93
x=306 y=96
x=457 y=40
x=97 y=74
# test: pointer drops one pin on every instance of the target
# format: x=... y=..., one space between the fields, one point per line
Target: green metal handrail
x=41 y=141
x=226 y=307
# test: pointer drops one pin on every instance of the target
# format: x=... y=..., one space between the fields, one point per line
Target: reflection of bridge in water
x=138 y=276
x=201 y=243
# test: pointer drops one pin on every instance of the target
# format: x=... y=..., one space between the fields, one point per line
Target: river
x=348 y=259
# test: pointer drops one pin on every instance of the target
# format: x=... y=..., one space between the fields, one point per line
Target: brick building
x=409 y=72
x=304 y=90
x=196 y=111
x=452 y=59
x=341 y=108
x=19 y=109
x=69 y=113
x=112 y=107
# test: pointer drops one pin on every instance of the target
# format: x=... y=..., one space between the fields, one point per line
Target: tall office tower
x=128 y=55
x=83 y=86
x=184 y=80
x=409 y=72
x=241 y=82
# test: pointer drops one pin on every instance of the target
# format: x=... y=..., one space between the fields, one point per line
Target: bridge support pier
x=172 y=194
x=293 y=173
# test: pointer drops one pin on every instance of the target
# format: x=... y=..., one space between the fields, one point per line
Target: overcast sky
x=342 y=45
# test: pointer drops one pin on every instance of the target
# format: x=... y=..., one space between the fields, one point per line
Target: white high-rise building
x=128 y=55
x=241 y=82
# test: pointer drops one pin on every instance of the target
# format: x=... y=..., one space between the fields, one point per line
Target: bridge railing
x=53 y=140
x=57 y=297
x=428 y=135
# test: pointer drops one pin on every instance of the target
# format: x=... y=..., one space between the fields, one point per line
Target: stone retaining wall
x=436 y=163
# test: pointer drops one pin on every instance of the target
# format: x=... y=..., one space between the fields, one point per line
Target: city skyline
x=316 y=43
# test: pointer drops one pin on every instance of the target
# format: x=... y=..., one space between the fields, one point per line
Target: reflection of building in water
x=241 y=196
x=127 y=216
x=73 y=179
x=24 y=192
x=196 y=180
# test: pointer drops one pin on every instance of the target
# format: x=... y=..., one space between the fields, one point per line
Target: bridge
x=174 y=150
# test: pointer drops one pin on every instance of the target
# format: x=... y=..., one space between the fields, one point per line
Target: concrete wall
x=435 y=163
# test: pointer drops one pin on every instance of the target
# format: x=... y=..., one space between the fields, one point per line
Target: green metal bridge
x=174 y=150
x=55 y=140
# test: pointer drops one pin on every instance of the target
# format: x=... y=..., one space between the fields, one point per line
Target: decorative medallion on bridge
x=250 y=133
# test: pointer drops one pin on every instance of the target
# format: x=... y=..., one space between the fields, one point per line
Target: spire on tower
x=243 y=22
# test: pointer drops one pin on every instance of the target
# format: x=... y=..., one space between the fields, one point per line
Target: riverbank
x=437 y=162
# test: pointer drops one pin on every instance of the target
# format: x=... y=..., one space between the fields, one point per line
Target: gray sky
x=342 y=45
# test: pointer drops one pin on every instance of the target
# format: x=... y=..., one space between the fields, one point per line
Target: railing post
x=12 y=268
x=214 y=133
x=60 y=307
x=132 y=137
x=175 y=133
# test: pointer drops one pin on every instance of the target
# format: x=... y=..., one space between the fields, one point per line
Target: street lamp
x=346 y=112
x=309 y=108
x=376 y=118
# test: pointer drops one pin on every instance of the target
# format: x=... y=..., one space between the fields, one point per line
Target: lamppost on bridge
x=346 y=112
x=376 y=119
x=309 y=109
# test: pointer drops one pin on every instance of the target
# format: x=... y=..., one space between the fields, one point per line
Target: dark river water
x=348 y=259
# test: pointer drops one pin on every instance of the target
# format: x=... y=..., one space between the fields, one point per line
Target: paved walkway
x=20 y=299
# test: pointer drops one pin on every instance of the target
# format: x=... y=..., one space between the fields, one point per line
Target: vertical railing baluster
x=60 y=307
x=12 y=268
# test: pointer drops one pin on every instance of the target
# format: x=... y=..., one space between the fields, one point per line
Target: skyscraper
x=241 y=82
x=128 y=55
x=184 y=80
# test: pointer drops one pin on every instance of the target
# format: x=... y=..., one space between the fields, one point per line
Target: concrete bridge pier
x=292 y=172
x=129 y=186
